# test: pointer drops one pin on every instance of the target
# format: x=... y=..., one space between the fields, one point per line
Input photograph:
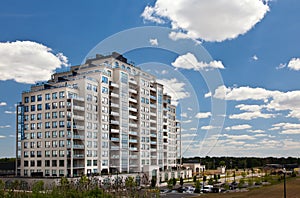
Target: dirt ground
x=274 y=191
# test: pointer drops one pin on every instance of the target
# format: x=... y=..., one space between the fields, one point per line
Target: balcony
x=78 y=137
x=132 y=91
x=132 y=81
x=78 y=127
x=153 y=97
x=113 y=113
x=78 y=156
x=153 y=128
x=133 y=117
x=153 y=149
x=78 y=108
x=114 y=122
x=114 y=130
x=78 y=146
x=114 y=139
x=152 y=121
x=153 y=135
x=132 y=133
x=153 y=142
x=114 y=85
x=114 y=95
x=115 y=157
x=78 y=117
x=115 y=105
x=133 y=156
x=76 y=98
x=153 y=106
x=114 y=148
x=153 y=114
x=152 y=89
x=133 y=148
x=132 y=109
x=133 y=141
x=133 y=125
x=132 y=100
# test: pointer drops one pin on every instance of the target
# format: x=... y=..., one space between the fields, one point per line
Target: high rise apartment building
x=102 y=116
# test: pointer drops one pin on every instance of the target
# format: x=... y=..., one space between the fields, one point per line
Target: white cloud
x=28 y=62
x=243 y=93
x=251 y=108
x=216 y=20
x=189 y=61
x=149 y=15
x=186 y=121
x=251 y=115
x=10 y=112
x=239 y=137
x=2 y=136
x=175 y=89
x=238 y=127
x=190 y=109
x=294 y=64
x=3 y=104
x=202 y=115
x=193 y=129
x=281 y=66
x=183 y=115
x=153 y=42
x=255 y=58
x=5 y=126
x=256 y=131
x=207 y=95
x=290 y=131
x=188 y=135
x=208 y=127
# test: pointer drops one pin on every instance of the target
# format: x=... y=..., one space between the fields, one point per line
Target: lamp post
x=284 y=183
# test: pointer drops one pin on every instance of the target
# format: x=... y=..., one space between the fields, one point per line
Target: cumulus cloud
x=153 y=42
x=294 y=64
x=256 y=131
x=193 y=129
x=189 y=61
x=208 y=20
x=175 y=89
x=208 y=127
x=5 y=126
x=9 y=112
x=252 y=112
x=2 y=136
x=3 y=104
x=188 y=135
x=184 y=115
x=239 y=137
x=28 y=62
x=255 y=58
x=238 y=127
x=202 y=115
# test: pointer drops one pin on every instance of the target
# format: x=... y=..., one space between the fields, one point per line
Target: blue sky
x=232 y=68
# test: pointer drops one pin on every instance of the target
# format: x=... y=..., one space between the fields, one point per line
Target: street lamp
x=284 y=183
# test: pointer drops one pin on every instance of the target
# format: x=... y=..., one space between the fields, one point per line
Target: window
x=105 y=163
x=47 y=163
x=25 y=153
x=61 y=143
x=89 y=162
x=104 y=100
x=54 y=95
x=39 y=135
x=47 y=96
x=47 y=134
x=32 y=98
x=54 y=114
x=26 y=109
x=54 y=124
x=39 y=125
x=89 y=86
x=61 y=124
x=39 y=97
x=39 y=107
x=54 y=144
x=39 y=144
x=61 y=104
x=54 y=172
x=94 y=162
x=54 y=134
x=25 y=144
x=47 y=144
x=104 y=153
x=38 y=163
x=54 y=105
x=61 y=94
x=39 y=116
x=26 y=163
x=32 y=154
x=47 y=106
x=61 y=153
x=61 y=133
x=54 y=162
x=32 y=117
x=104 y=79
x=32 y=135
x=105 y=90
x=26 y=118
x=32 y=163
x=95 y=89
x=32 y=108
x=61 y=163
x=47 y=115
x=95 y=98
x=89 y=97
x=47 y=154
x=26 y=99
x=61 y=114
x=54 y=154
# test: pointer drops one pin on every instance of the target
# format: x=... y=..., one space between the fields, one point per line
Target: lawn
x=274 y=191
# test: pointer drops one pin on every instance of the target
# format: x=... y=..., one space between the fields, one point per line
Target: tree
x=2 y=185
x=181 y=181
x=197 y=187
x=210 y=181
x=222 y=163
x=170 y=183
x=174 y=181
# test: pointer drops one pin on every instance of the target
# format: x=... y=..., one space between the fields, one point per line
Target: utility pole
x=284 y=183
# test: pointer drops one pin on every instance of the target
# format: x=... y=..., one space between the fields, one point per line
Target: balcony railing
x=78 y=108
x=115 y=130
x=132 y=133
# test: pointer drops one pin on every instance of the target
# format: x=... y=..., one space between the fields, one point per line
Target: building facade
x=102 y=116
